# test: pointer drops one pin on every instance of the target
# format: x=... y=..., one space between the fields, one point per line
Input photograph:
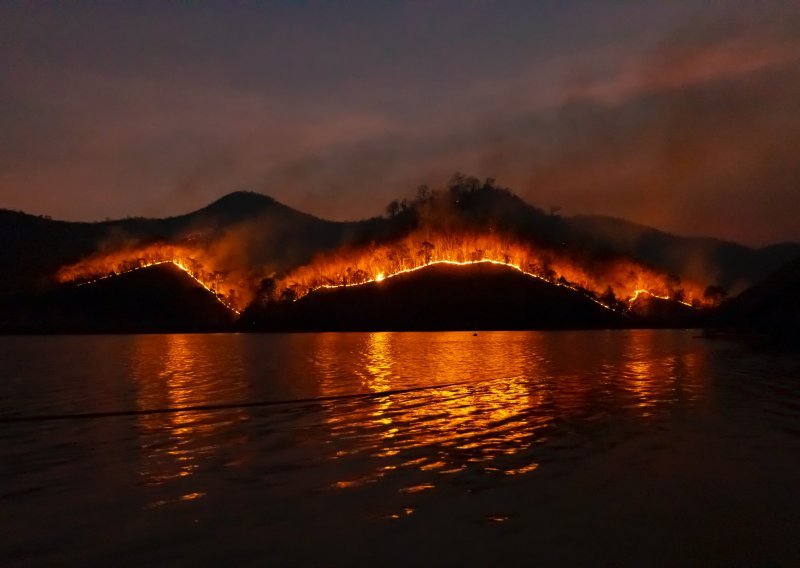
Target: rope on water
x=226 y=406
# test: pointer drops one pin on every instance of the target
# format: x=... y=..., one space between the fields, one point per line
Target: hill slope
x=261 y=237
x=439 y=297
x=155 y=299
x=728 y=264
x=772 y=305
x=267 y=232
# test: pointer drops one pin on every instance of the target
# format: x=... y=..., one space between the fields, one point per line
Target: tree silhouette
x=675 y=291
x=393 y=208
x=608 y=297
x=426 y=251
x=716 y=294
x=266 y=290
x=288 y=295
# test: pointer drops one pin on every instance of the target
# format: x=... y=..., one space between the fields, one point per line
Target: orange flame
x=626 y=279
x=610 y=282
x=230 y=287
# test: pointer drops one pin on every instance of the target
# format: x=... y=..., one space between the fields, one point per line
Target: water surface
x=603 y=448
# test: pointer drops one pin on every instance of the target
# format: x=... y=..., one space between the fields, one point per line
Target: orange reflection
x=175 y=371
x=652 y=377
x=444 y=429
x=378 y=378
x=503 y=395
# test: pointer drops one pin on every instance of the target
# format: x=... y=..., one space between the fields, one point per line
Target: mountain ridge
x=439 y=297
x=234 y=201
x=272 y=236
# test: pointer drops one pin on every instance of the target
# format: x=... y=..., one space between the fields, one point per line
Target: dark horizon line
x=272 y=199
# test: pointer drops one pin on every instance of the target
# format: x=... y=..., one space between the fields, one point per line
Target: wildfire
x=613 y=283
x=638 y=293
x=230 y=289
x=381 y=277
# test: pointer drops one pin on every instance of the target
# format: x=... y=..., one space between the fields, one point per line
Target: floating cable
x=213 y=407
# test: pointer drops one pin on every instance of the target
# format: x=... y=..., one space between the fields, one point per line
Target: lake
x=603 y=448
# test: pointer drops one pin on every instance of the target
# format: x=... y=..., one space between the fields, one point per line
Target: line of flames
x=177 y=263
x=235 y=286
x=380 y=277
x=625 y=278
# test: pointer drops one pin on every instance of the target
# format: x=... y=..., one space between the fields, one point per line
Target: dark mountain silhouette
x=471 y=203
x=731 y=265
x=155 y=299
x=274 y=237
x=771 y=306
x=661 y=312
x=439 y=297
x=267 y=237
x=33 y=248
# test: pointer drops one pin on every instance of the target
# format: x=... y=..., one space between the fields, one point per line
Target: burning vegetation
x=232 y=288
x=469 y=222
x=613 y=283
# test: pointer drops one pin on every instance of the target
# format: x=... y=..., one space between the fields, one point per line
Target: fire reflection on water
x=500 y=404
x=171 y=371
x=443 y=429
x=653 y=382
x=500 y=400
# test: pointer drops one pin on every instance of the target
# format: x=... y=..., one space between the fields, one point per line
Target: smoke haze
x=681 y=116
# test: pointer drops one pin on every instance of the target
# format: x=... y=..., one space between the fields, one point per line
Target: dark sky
x=681 y=115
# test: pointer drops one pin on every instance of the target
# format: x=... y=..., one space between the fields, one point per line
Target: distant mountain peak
x=239 y=205
x=241 y=198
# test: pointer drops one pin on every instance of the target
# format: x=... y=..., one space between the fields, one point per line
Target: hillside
x=266 y=233
x=772 y=305
x=155 y=299
x=725 y=263
x=439 y=297
x=251 y=237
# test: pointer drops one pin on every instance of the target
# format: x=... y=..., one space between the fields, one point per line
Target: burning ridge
x=228 y=287
x=612 y=283
x=464 y=224
x=441 y=296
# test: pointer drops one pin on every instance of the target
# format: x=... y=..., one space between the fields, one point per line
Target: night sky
x=680 y=115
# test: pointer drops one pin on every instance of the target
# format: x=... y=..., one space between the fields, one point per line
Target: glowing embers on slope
x=382 y=277
x=219 y=297
x=639 y=293
x=612 y=282
x=230 y=291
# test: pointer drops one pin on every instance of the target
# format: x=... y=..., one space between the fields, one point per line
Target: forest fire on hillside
x=229 y=287
x=614 y=283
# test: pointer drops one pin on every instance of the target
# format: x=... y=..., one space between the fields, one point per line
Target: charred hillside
x=255 y=232
x=257 y=229
x=438 y=297
x=155 y=299
x=468 y=204
x=246 y=247
x=771 y=306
